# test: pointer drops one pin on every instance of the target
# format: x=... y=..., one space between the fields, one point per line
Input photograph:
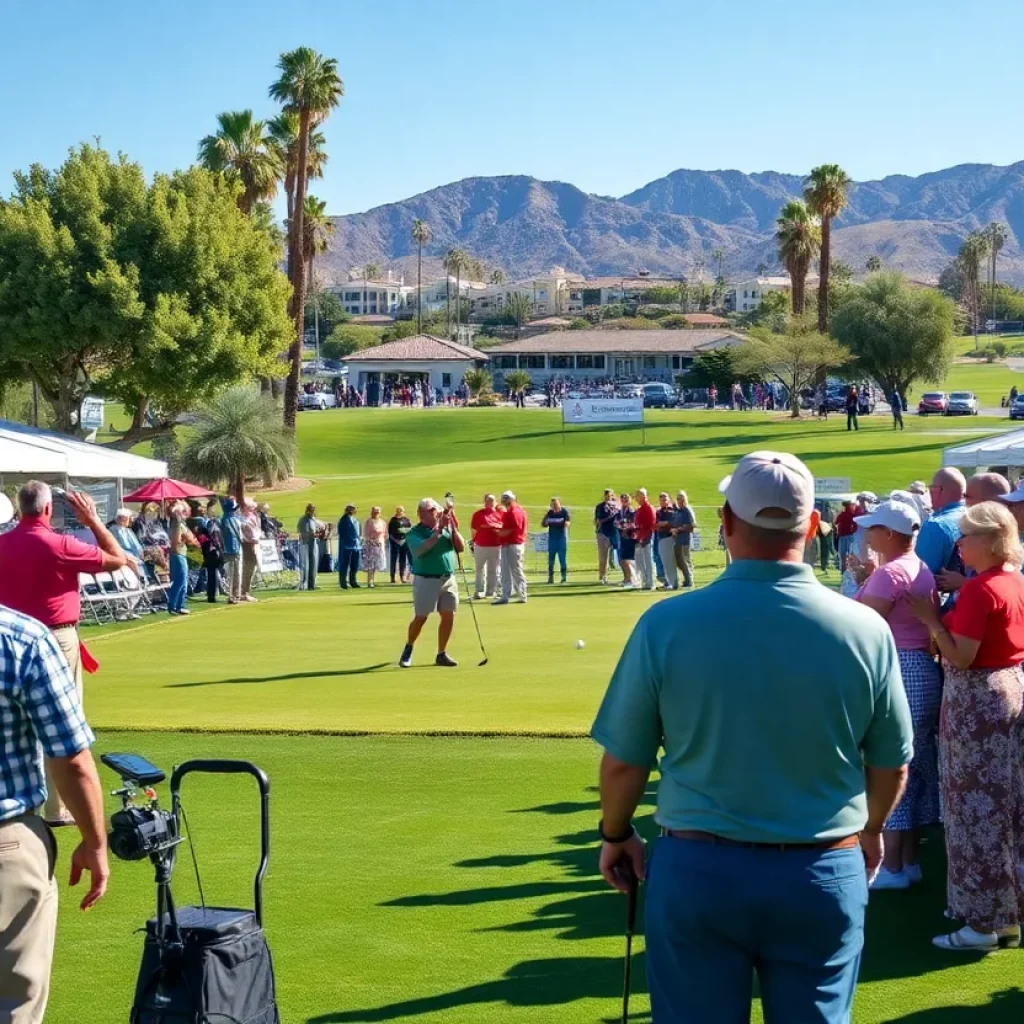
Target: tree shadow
x=284 y=678
x=1006 y=1007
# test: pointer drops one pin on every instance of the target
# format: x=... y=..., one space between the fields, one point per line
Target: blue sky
x=607 y=95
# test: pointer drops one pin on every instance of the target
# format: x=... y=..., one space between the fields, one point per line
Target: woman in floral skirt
x=375 y=545
x=981 y=734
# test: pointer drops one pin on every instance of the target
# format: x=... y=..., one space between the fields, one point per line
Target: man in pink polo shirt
x=39 y=577
x=513 y=545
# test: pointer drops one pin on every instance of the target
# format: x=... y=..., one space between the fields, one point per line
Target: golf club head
x=482 y=663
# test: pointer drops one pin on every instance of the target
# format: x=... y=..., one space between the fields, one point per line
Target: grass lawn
x=446 y=882
x=451 y=877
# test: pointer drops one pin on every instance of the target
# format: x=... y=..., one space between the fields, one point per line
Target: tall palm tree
x=973 y=252
x=243 y=151
x=798 y=235
x=873 y=264
x=310 y=86
x=762 y=269
x=317 y=231
x=996 y=241
x=826 y=192
x=283 y=133
x=420 y=235
x=238 y=435
x=457 y=261
x=718 y=255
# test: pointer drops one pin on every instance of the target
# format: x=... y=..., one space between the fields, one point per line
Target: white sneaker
x=887 y=879
x=501 y=600
x=478 y=596
x=914 y=873
x=522 y=599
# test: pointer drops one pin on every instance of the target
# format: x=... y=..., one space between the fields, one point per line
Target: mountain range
x=526 y=226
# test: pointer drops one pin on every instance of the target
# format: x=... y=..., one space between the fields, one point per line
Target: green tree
x=421 y=236
x=309 y=86
x=156 y=295
x=517 y=307
x=348 y=338
x=243 y=151
x=580 y=323
x=718 y=255
x=517 y=380
x=399 y=329
x=973 y=252
x=318 y=229
x=328 y=308
x=996 y=241
x=238 y=435
x=661 y=295
x=772 y=312
x=873 y=264
x=674 y=322
x=795 y=358
x=826 y=193
x=717 y=368
x=478 y=381
x=897 y=334
x=798 y=235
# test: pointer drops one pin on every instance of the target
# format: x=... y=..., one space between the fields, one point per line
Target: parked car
x=932 y=402
x=962 y=403
x=659 y=396
x=1017 y=408
x=317 y=400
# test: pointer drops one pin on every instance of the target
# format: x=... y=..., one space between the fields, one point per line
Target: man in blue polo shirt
x=775 y=785
x=607 y=536
x=937 y=538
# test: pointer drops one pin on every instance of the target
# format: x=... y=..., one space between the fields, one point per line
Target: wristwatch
x=605 y=838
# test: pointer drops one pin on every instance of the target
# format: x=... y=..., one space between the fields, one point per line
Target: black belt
x=64 y=625
x=846 y=843
x=434 y=575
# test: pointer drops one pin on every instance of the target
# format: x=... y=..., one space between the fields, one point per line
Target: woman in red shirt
x=981 y=732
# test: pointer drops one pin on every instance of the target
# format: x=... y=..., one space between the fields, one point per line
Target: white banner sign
x=603 y=410
x=832 y=484
x=539 y=542
x=268 y=556
x=695 y=541
x=91 y=416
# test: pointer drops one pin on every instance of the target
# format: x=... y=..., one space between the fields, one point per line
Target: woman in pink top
x=891 y=530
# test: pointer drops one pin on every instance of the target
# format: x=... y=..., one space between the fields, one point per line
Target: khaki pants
x=685 y=562
x=645 y=564
x=233 y=571
x=666 y=548
x=248 y=566
x=67 y=638
x=513 y=576
x=488 y=570
x=28 y=918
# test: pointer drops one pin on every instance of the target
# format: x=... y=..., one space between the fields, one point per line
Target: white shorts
x=434 y=594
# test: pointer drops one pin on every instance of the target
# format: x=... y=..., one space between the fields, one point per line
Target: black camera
x=141 y=828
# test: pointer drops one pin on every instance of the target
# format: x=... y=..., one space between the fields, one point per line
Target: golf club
x=449 y=500
x=631 y=898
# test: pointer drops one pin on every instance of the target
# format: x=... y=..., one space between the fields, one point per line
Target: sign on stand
x=268 y=556
x=832 y=485
x=91 y=415
x=603 y=410
x=695 y=541
x=539 y=542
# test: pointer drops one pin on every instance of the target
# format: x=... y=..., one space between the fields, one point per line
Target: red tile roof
x=569 y=342
x=418 y=348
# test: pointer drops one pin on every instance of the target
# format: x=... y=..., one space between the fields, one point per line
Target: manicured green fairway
x=451 y=877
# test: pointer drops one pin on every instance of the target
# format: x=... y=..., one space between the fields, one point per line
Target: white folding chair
x=130 y=585
x=117 y=600
x=93 y=598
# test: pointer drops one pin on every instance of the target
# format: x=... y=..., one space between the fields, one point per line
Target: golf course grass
x=433 y=851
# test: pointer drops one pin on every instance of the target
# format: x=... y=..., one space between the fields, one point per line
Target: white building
x=362 y=297
x=437 y=294
x=548 y=294
x=747 y=295
x=604 y=291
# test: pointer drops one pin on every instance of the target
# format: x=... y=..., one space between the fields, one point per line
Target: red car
x=933 y=402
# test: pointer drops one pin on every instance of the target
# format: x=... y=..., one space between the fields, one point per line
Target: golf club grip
x=219 y=766
x=631 y=897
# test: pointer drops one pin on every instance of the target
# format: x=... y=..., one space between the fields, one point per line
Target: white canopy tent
x=26 y=452
x=1006 y=449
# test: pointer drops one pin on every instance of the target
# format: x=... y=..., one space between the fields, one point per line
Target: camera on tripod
x=141 y=828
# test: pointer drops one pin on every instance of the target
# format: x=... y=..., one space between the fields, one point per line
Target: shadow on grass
x=1005 y=1007
x=284 y=678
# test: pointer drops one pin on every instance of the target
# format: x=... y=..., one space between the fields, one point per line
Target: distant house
x=747 y=295
x=362 y=297
x=603 y=291
x=548 y=294
x=652 y=355
x=422 y=357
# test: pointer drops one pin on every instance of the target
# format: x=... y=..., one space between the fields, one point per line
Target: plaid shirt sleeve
x=52 y=702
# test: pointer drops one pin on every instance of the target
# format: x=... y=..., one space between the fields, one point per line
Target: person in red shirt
x=485 y=525
x=981 y=769
x=39 y=577
x=845 y=528
x=644 y=527
x=513 y=547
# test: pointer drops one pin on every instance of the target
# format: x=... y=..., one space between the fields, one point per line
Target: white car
x=962 y=403
x=317 y=400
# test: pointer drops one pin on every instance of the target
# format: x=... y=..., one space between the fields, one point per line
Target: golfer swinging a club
x=434 y=543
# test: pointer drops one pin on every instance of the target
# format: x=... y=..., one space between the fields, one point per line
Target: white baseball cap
x=770 y=480
x=898 y=516
x=1014 y=496
x=868 y=496
x=918 y=487
x=509 y=495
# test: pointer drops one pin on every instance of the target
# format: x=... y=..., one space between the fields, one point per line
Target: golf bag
x=207 y=965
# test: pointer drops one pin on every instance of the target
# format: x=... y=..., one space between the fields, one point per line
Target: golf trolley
x=200 y=965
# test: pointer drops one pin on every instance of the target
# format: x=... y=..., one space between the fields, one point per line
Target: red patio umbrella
x=167 y=490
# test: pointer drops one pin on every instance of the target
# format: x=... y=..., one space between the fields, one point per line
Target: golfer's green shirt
x=439 y=560
x=769 y=693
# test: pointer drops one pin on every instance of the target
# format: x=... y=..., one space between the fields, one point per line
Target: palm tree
x=478 y=382
x=420 y=235
x=238 y=435
x=996 y=241
x=762 y=269
x=317 y=229
x=798 y=235
x=518 y=306
x=718 y=255
x=371 y=271
x=309 y=85
x=826 y=193
x=497 y=276
x=243 y=151
x=973 y=251
x=873 y=264
x=457 y=261
x=283 y=133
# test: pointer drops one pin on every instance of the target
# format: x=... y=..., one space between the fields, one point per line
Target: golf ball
x=580 y=645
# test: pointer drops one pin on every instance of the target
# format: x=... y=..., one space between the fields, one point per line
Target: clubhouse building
x=594 y=355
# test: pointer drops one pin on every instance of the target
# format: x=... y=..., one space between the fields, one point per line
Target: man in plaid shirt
x=40 y=714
